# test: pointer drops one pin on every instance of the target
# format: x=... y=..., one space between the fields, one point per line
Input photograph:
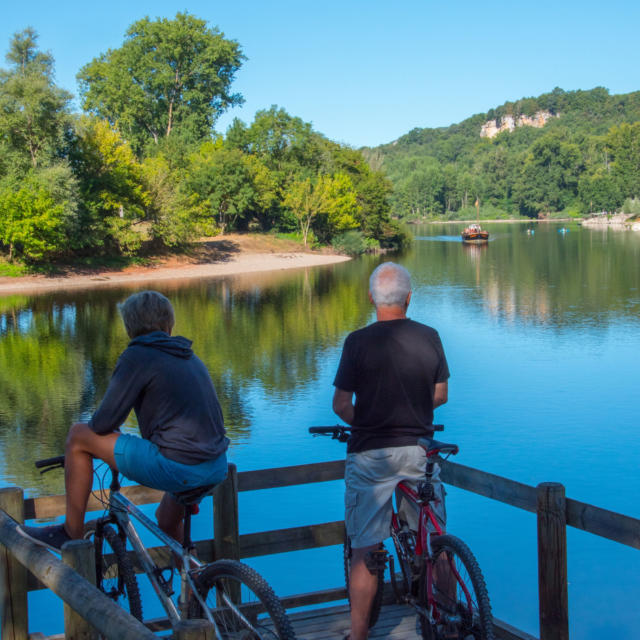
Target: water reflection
x=57 y=351
x=585 y=277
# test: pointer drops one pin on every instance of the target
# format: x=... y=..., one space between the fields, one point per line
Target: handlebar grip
x=49 y=462
x=328 y=430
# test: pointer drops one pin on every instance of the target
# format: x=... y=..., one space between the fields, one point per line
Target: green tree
x=35 y=214
x=549 y=178
x=114 y=200
x=222 y=183
x=624 y=145
x=34 y=112
x=169 y=77
x=306 y=199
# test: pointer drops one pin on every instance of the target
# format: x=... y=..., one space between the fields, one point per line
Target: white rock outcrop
x=491 y=128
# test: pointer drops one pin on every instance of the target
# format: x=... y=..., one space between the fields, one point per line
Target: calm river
x=542 y=336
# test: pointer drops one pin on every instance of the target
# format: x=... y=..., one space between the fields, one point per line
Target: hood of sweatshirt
x=173 y=345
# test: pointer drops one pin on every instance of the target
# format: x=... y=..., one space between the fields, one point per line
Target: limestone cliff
x=492 y=128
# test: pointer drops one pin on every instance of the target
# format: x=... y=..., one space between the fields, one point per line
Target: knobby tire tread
x=125 y=568
x=207 y=578
x=459 y=548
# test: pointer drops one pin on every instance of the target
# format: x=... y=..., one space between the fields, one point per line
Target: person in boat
x=397 y=370
x=183 y=445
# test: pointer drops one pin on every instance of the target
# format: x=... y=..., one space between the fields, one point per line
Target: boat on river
x=474 y=234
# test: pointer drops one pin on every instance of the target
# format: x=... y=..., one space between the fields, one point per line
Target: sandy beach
x=233 y=255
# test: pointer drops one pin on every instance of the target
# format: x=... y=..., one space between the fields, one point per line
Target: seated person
x=183 y=444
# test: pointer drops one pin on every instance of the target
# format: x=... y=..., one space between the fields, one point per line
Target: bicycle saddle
x=433 y=447
x=192 y=496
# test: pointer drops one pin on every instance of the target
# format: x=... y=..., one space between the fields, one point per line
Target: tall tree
x=169 y=77
x=34 y=112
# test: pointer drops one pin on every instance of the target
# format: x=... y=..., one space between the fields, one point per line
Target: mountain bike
x=231 y=595
x=439 y=576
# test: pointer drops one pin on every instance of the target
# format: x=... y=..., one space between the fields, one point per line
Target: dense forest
x=586 y=158
x=142 y=168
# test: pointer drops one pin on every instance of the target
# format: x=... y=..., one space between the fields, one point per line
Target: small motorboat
x=474 y=234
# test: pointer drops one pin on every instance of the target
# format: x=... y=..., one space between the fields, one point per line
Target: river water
x=541 y=334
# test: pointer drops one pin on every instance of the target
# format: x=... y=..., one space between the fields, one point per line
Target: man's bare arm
x=343 y=405
x=440 y=394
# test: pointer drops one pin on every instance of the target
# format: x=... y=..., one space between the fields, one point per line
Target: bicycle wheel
x=462 y=601
x=243 y=605
x=377 y=599
x=114 y=572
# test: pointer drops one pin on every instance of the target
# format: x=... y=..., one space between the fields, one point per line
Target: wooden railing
x=554 y=513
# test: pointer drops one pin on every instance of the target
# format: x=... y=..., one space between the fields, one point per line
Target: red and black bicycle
x=439 y=575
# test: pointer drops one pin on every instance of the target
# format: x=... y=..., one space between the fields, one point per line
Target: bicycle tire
x=468 y=619
x=377 y=598
x=115 y=575
x=259 y=604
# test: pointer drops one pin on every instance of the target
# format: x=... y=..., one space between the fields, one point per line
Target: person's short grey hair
x=145 y=312
x=389 y=285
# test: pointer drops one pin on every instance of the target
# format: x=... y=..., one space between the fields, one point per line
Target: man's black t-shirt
x=392 y=367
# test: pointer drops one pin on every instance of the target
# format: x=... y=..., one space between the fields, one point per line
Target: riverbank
x=230 y=255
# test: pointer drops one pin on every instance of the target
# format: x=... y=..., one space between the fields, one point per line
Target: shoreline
x=245 y=262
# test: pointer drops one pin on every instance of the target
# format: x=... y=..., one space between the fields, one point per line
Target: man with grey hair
x=397 y=370
x=183 y=442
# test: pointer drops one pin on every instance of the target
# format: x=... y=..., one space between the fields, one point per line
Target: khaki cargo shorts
x=371 y=478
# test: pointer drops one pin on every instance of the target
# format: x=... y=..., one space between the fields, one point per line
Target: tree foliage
x=583 y=159
x=170 y=77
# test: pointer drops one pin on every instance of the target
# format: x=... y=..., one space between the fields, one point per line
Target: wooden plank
x=504 y=631
x=54 y=506
x=13 y=576
x=603 y=523
x=552 y=562
x=287 y=476
x=314 y=597
x=80 y=556
x=292 y=539
x=489 y=485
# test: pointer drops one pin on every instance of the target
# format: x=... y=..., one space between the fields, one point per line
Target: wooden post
x=14 y=618
x=226 y=527
x=552 y=562
x=193 y=630
x=80 y=556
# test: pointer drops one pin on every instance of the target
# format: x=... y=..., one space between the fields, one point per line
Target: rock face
x=492 y=128
x=608 y=220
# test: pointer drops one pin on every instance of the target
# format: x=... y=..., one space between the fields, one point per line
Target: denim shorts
x=371 y=478
x=140 y=460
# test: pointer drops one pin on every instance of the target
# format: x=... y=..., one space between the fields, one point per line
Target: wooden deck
x=397 y=622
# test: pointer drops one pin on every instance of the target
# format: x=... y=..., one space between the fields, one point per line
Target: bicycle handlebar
x=341 y=432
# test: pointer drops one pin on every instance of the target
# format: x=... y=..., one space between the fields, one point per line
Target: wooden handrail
x=229 y=543
x=601 y=522
x=94 y=606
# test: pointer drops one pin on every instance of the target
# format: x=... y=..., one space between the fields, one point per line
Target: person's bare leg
x=82 y=446
x=362 y=590
x=170 y=515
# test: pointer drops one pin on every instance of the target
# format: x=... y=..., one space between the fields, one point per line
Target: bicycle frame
x=423 y=547
x=122 y=510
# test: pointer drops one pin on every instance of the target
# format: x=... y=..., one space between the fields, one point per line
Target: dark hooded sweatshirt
x=169 y=388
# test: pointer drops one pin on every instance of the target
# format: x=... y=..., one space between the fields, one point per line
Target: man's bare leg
x=170 y=515
x=362 y=590
x=83 y=445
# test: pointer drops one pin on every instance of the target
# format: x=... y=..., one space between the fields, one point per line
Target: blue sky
x=366 y=72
